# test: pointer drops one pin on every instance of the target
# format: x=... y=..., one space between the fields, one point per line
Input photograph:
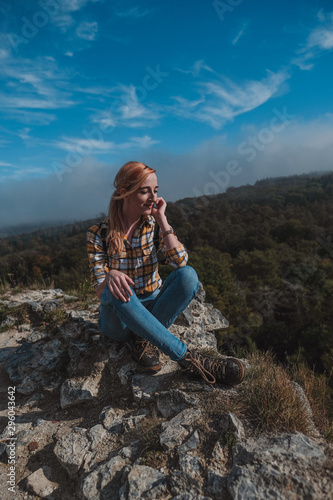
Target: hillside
x=87 y=426
x=263 y=253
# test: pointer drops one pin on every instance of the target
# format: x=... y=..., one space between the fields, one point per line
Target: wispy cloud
x=126 y=110
x=5 y=164
x=71 y=144
x=240 y=33
x=65 y=18
x=34 y=84
x=133 y=12
x=196 y=69
x=88 y=31
x=319 y=40
x=221 y=101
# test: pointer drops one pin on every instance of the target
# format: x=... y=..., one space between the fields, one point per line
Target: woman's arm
x=174 y=250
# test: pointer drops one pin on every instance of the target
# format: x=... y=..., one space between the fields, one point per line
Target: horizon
x=16 y=230
x=211 y=95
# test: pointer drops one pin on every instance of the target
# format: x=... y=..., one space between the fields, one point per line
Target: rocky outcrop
x=88 y=426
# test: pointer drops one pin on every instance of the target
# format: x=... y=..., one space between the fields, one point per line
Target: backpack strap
x=103 y=236
x=156 y=237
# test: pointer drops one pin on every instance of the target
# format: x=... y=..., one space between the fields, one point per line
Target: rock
x=275 y=467
x=217 y=483
x=126 y=372
x=112 y=419
x=27 y=386
x=172 y=436
x=175 y=431
x=201 y=294
x=169 y=403
x=77 y=391
x=38 y=484
x=295 y=447
x=39 y=361
x=191 y=444
x=146 y=482
x=218 y=453
x=182 y=482
x=146 y=387
x=71 y=450
x=185 y=418
x=230 y=423
x=189 y=496
x=96 y=435
x=130 y=422
x=8 y=322
x=185 y=318
x=103 y=482
x=51 y=305
x=191 y=464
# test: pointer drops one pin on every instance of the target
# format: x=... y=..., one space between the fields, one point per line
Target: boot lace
x=207 y=367
x=147 y=348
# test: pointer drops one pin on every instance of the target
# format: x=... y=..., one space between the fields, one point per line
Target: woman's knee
x=107 y=299
x=188 y=277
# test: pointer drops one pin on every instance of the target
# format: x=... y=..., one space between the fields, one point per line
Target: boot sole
x=145 y=369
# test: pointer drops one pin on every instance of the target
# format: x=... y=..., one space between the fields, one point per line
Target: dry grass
x=269 y=398
x=319 y=394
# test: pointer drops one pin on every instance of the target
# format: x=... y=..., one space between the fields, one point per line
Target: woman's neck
x=130 y=221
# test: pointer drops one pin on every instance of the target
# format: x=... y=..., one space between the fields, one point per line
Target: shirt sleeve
x=98 y=261
x=176 y=256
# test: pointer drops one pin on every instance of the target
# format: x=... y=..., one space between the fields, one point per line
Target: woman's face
x=142 y=200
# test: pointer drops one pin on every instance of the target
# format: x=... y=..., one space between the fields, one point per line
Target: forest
x=264 y=254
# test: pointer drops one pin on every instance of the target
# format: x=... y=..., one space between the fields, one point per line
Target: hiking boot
x=146 y=355
x=226 y=371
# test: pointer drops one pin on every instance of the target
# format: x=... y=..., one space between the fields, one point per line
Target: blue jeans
x=149 y=315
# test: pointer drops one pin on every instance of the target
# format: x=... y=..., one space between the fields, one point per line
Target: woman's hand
x=159 y=212
x=119 y=284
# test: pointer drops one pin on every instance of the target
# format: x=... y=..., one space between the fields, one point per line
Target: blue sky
x=212 y=94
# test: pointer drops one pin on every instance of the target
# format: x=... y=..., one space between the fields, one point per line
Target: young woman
x=135 y=305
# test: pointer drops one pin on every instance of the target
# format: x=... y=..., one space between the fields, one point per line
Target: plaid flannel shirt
x=138 y=259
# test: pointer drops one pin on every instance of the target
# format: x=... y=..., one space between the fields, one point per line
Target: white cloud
x=134 y=12
x=88 y=31
x=86 y=147
x=126 y=110
x=195 y=70
x=222 y=101
x=35 y=84
x=319 y=40
x=240 y=33
x=5 y=164
x=28 y=117
x=33 y=103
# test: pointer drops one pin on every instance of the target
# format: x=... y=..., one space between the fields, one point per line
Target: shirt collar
x=148 y=220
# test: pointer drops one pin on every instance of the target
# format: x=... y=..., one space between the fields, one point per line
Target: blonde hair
x=129 y=177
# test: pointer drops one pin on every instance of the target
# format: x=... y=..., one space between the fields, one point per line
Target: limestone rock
x=38 y=361
x=146 y=483
x=112 y=419
x=191 y=444
x=72 y=449
x=38 y=484
x=80 y=390
x=169 y=403
x=274 y=467
x=178 y=428
x=182 y=482
x=146 y=387
x=103 y=482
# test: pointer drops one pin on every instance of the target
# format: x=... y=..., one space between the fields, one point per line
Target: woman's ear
x=122 y=191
